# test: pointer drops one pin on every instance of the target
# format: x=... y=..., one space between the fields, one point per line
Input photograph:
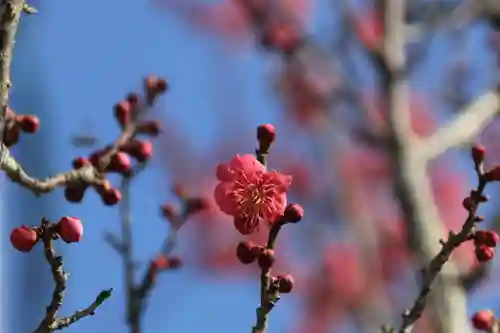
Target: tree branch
x=412 y=186
x=88 y=175
x=16 y=173
x=439 y=260
x=464 y=128
x=168 y=246
x=269 y=293
x=51 y=323
x=137 y=292
x=9 y=22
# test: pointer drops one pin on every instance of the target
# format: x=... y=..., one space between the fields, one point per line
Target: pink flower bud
x=111 y=196
x=70 y=229
x=493 y=174
x=486 y=237
x=483 y=320
x=285 y=283
x=266 y=259
x=80 y=162
x=122 y=112
x=160 y=263
x=141 y=150
x=75 y=192
x=484 y=253
x=28 y=123
x=477 y=153
x=120 y=162
x=244 y=253
x=23 y=238
x=266 y=134
x=294 y=213
x=467 y=203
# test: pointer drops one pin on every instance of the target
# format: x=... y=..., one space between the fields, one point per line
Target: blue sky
x=91 y=54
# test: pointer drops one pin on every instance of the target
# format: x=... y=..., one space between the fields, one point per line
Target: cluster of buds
x=247 y=252
x=69 y=229
x=119 y=159
x=478 y=154
x=485 y=242
x=17 y=123
x=484 y=320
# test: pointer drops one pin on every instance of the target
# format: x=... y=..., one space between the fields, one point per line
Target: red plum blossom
x=249 y=193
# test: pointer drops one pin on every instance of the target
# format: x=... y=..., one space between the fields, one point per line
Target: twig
x=50 y=323
x=88 y=175
x=133 y=306
x=168 y=246
x=436 y=264
x=9 y=22
x=137 y=293
x=269 y=294
x=29 y=9
x=16 y=173
x=464 y=128
x=89 y=311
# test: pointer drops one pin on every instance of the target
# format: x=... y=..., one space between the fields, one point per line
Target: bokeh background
x=76 y=59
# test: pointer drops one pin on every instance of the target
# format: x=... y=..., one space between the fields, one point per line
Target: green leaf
x=103 y=295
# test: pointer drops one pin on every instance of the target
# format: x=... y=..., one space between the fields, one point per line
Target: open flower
x=249 y=193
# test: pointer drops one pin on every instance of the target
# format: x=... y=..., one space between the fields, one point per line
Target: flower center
x=256 y=196
x=251 y=200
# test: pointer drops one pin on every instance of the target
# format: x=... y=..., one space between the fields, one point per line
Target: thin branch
x=89 y=311
x=133 y=304
x=137 y=293
x=269 y=293
x=464 y=128
x=88 y=175
x=9 y=22
x=48 y=232
x=58 y=275
x=16 y=173
x=168 y=246
x=436 y=264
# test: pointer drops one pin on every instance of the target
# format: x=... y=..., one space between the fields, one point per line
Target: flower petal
x=224 y=198
x=281 y=181
x=275 y=208
x=248 y=164
x=245 y=225
x=224 y=173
